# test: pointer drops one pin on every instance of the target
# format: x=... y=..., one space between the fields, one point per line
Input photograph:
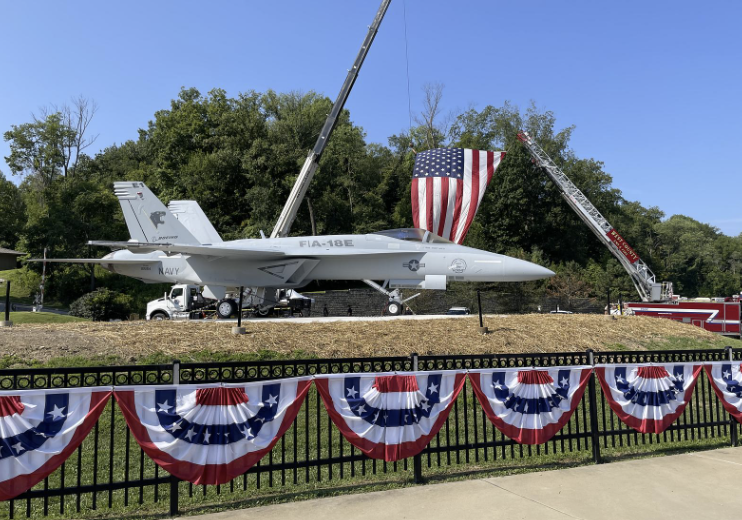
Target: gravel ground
x=131 y=341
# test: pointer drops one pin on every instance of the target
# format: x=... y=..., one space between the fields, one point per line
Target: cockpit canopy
x=414 y=235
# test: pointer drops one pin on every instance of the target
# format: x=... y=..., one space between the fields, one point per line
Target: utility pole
x=43 y=282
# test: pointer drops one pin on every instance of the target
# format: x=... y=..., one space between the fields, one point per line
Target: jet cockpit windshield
x=414 y=235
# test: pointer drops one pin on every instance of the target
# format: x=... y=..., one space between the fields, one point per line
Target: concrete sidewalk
x=699 y=485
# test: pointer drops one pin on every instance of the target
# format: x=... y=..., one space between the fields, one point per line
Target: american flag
x=447 y=187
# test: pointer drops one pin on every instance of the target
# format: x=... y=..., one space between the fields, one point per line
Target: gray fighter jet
x=162 y=249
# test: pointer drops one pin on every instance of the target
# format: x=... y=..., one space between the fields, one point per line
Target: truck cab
x=185 y=301
x=179 y=303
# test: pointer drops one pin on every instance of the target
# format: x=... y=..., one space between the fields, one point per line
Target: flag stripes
x=448 y=185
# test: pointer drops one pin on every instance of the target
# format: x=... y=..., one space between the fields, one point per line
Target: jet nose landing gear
x=394 y=308
x=396 y=305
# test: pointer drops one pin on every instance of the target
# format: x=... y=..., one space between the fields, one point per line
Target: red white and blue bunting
x=39 y=430
x=530 y=405
x=726 y=380
x=209 y=434
x=648 y=397
x=390 y=416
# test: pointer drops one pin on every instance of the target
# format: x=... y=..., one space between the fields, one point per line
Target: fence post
x=732 y=421
x=417 y=460
x=479 y=306
x=7 y=322
x=173 y=479
x=593 y=410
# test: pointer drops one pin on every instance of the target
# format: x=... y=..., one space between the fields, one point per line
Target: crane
x=288 y=214
x=642 y=276
x=290 y=209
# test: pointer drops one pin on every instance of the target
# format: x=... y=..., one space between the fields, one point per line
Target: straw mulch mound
x=130 y=341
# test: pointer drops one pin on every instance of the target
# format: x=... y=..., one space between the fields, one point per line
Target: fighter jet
x=162 y=249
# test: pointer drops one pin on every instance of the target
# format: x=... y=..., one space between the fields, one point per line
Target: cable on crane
x=407 y=63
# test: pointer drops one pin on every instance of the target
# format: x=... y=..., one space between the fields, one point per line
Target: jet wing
x=187 y=249
x=94 y=260
x=244 y=253
x=346 y=251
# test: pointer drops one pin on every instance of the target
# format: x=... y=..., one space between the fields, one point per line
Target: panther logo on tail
x=157 y=218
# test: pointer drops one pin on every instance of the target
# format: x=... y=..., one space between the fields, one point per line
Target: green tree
x=13 y=213
x=37 y=149
x=686 y=249
x=50 y=146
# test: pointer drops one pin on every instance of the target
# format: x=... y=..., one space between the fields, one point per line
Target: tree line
x=238 y=157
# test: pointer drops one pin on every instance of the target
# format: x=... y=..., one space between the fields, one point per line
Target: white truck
x=187 y=301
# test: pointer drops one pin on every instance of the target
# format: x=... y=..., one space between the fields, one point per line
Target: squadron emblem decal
x=413 y=265
x=458 y=266
x=157 y=218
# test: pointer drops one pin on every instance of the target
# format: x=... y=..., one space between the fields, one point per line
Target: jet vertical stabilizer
x=147 y=217
x=190 y=214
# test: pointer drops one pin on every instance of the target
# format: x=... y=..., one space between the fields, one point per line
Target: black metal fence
x=109 y=471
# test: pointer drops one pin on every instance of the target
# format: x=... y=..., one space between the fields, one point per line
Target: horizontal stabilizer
x=141 y=247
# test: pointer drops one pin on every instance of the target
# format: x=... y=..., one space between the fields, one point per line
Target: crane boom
x=288 y=214
x=642 y=276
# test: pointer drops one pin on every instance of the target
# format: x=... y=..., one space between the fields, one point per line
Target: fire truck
x=720 y=315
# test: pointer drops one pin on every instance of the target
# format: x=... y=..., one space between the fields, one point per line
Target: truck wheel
x=394 y=308
x=265 y=312
x=225 y=309
x=159 y=316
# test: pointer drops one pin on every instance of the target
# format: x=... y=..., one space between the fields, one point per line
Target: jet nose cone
x=523 y=271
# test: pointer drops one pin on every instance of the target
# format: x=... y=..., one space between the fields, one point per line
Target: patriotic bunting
x=390 y=416
x=726 y=380
x=648 y=397
x=530 y=405
x=209 y=434
x=39 y=429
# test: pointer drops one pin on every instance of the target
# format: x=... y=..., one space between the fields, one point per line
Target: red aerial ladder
x=642 y=276
x=720 y=315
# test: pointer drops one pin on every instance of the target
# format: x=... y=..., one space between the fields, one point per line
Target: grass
x=19 y=291
x=133 y=341
x=42 y=317
x=674 y=343
x=14 y=361
x=224 y=356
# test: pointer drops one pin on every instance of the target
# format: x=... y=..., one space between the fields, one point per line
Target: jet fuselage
x=299 y=260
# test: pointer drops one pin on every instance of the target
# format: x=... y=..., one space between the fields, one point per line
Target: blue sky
x=652 y=87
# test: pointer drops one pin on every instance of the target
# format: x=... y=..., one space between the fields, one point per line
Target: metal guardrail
x=110 y=471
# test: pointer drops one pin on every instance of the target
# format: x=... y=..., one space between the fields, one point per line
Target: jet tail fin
x=190 y=214
x=147 y=217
